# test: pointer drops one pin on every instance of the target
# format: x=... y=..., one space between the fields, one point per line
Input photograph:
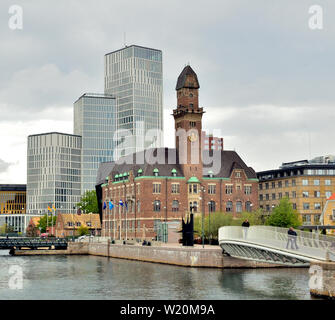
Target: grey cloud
x=4 y=166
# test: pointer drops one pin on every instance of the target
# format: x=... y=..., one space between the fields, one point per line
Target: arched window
x=175 y=205
x=157 y=206
x=248 y=206
x=238 y=206
x=211 y=206
x=229 y=206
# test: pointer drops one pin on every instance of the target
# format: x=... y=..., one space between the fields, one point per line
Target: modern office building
x=95 y=122
x=307 y=184
x=134 y=75
x=53 y=172
x=209 y=142
x=12 y=198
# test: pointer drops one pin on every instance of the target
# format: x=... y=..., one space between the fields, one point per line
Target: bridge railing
x=310 y=244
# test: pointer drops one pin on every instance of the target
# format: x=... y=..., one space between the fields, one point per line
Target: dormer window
x=116 y=178
x=238 y=174
x=139 y=172
x=156 y=172
x=210 y=173
x=191 y=95
x=193 y=124
x=174 y=172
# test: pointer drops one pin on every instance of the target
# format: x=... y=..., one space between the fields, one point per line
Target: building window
x=175 y=205
x=260 y=186
x=211 y=189
x=305 y=194
x=273 y=196
x=238 y=206
x=287 y=194
x=195 y=206
x=306 y=206
x=317 y=194
x=305 y=182
x=260 y=197
x=317 y=218
x=193 y=124
x=316 y=182
x=273 y=185
x=195 y=188
x=157 y=206
x=327 y=182
x=280 y=195
x=293 y=183
x=317 y=206
x=138 y=206
x=266 y=185
x=229 y=206
x=294 y=206
x=238 y=174
x=248 y=206
x=286 y=183
x=280 y=184
x=328 y=194
x=175 y=188
x=294 y=194
x=306 y=218
x=156 y=188
x=267 y=196
x=247 y=189
x=211 y=206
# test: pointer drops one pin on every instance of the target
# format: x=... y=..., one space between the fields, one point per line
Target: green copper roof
x=174 y=170
x=139 y=170
x=116 y=176
x=210 y=172
x=125 y=174
x=156 y=170
x=193 y=180
x=107 y=178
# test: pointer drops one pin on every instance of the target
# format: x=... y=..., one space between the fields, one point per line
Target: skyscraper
x=95 y=122
x=53 y=172
x=134 y=75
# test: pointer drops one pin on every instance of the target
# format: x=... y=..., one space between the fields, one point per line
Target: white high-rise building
x=134 y=75
x=53 y=172
x=95 y=122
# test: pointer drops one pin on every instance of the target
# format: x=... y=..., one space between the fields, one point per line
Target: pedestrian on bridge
x=292 y=238
x=245 y=227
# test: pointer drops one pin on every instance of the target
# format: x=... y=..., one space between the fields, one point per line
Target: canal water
x=90 y=277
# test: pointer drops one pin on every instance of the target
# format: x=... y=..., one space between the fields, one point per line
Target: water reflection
x=88 y=277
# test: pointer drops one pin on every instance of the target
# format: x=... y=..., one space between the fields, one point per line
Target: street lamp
x=209 y=223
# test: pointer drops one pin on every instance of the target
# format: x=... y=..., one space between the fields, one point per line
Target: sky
x=266 y=78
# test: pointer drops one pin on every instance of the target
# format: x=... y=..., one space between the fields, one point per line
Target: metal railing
x=309 y=244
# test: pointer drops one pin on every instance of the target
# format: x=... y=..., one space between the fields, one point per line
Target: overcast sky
x=267 y=79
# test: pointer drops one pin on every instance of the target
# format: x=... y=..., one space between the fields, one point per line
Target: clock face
x=193 y=137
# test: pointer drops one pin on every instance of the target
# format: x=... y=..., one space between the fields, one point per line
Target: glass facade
x=135 y=76
x=95 y=122
x=53 y=172
x=12 y=199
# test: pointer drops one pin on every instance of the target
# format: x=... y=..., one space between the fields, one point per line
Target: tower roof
x=181 y=82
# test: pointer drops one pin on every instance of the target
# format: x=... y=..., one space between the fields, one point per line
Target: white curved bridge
x=269 y=244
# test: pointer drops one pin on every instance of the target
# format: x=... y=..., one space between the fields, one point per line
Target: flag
x=111 y=205
x=105 y=205
x=49 y=208
x=53 y=207
x=121 y=203
x=126 y=205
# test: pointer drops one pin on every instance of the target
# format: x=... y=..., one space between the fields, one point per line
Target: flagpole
x=114 y=224
x=126 y=221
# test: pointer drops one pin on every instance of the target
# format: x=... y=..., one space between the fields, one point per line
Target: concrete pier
x=209 y=256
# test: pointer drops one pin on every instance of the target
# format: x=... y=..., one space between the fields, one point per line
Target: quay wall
x=210 y=257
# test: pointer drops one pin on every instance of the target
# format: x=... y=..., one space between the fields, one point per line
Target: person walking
x=292 y=238
x=245 y=227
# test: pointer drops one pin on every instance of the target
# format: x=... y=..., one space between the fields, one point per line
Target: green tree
x=284 y=215
x=83 y=231
x=89 y=202
x=43 y=222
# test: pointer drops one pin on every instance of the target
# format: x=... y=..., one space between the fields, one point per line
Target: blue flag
x=121 y=203
x=111 y=205
x=105 y=205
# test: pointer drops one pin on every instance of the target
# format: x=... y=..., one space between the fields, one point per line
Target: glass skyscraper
x=53 y=172
x=95 y=122
x=134 y=75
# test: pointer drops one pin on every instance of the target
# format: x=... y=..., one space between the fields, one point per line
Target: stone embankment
x=209 y=256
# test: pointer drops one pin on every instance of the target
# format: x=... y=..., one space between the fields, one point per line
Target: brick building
x=143 y=189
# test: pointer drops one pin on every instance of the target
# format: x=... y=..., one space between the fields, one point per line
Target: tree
x=83 y=231
x=5 y=228
x=42 y=224
x=284 y=216
x=89 y=202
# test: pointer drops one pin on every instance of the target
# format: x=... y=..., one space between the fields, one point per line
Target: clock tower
x=188 y=123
